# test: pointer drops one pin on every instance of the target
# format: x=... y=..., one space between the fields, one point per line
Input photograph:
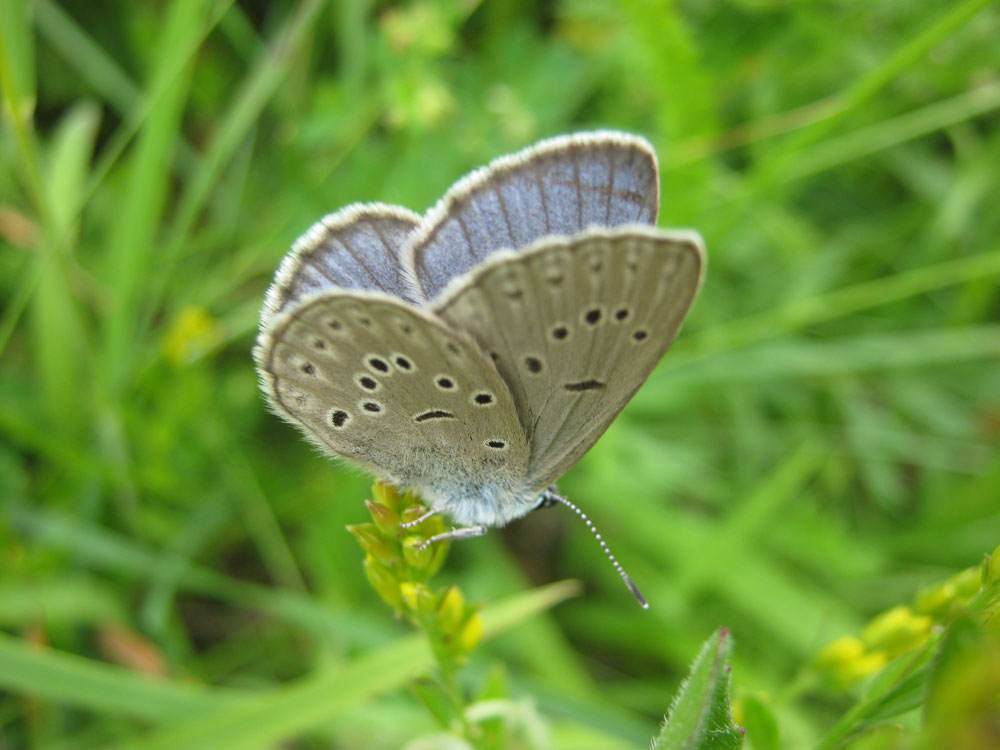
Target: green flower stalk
x=400 y=572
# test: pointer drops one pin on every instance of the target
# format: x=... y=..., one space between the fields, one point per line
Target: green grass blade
x=260 y=85
x=840 y=303
x=77 y=681
x=284 y=712
x=799 y=358
x=129 y=259
x=100 y=70
x=892 y=132
x=61 y=341
x=782 y=158
x=107 y=551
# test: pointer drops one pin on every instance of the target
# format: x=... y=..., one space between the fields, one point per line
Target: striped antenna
x=549 y=497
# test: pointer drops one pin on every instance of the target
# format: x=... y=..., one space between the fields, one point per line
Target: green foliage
x=700 y=717
x=815 y=464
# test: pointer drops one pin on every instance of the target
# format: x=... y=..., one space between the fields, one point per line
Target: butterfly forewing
x=575 y=325
x=391 y=387
x=356 y=248
x=559 y=186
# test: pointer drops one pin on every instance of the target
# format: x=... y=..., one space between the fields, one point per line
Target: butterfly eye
x=559 y=333
x=372 y=407
x=498 y=445
x=483 y=399
x=621 y=313
x=403 y=363
x=639 y=335
x=444 y=382
x=338 y=418
x=593 y=316
x=534 y=365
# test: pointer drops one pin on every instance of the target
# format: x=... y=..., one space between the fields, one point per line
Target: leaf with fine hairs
x=700 y=717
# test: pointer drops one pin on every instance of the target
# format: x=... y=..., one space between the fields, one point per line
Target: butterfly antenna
x=549 y=497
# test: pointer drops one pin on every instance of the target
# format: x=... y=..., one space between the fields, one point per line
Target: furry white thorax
x=486 y=504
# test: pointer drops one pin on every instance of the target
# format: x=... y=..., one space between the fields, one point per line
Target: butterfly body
x=478 y=353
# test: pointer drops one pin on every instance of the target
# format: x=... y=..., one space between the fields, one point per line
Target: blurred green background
x=821 y=442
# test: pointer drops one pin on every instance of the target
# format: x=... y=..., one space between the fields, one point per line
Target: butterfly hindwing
x=357 y=247
x=391 y=387
x=575 y=325
x=559 y=186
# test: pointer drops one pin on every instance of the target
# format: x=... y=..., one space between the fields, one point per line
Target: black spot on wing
x=584 y=385
x=433 y=414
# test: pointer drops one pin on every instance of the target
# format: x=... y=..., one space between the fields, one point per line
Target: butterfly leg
x=461 y=532
x=417 y=521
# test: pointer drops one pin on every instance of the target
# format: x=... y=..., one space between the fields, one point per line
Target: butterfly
x=476 y=353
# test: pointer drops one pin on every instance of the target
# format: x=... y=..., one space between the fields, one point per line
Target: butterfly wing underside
x=389 y=386
x=560 y=186
x=575 y=326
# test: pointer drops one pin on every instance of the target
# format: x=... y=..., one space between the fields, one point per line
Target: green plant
x=819 y=447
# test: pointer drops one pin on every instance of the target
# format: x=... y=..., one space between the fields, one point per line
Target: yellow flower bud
x=451 y=610
x=868 y=664
x=418 y=558
x=839 y=651
x=968 y=583
x=417 y=596
x=384 y=583
x=409 y=591
x=939 y=602
x=846 y=661
x=373 y=541
x=897 y=631
x=471 y=634
x=385 y=517
x=387 y=495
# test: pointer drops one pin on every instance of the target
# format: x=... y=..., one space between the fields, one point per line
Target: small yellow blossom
x=452 y=610
x=939 y=602
x=968 y=583
x=384 y=582
x=847 y=661
x=897 y=631
x=471 y=634
x=844 y=649
x=413 y=553
x=192 y=334
x=385 y=517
